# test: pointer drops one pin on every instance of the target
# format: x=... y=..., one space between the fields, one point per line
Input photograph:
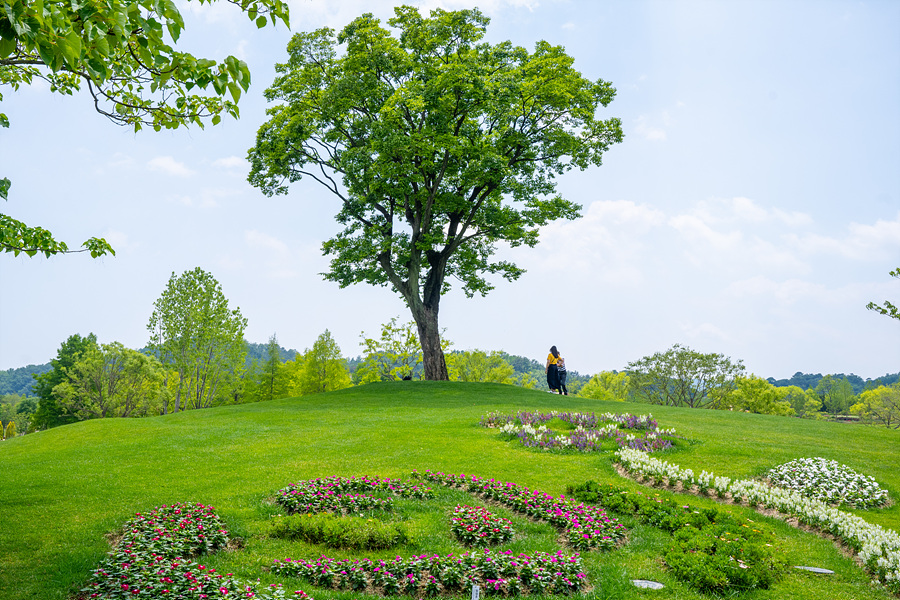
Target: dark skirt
x=552 y=377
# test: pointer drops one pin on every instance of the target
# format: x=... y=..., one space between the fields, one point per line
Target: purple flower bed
x=586 y=527
x=498 y=573
x=331 y=494
x=590 y=434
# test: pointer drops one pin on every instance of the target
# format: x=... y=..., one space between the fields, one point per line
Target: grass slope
x=62 y=490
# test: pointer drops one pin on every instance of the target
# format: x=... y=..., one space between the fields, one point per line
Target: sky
x=752 y=210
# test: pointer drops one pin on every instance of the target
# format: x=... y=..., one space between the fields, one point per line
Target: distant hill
x=19 y=381
x=259 y=352
x=806 y=381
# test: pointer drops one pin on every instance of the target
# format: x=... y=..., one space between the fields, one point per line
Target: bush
x=351 y=533
x=711 y=550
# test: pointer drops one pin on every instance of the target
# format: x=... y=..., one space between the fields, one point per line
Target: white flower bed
x=828 y=481
x=877 y=547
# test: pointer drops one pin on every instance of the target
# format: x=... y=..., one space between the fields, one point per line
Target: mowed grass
x=62 y=491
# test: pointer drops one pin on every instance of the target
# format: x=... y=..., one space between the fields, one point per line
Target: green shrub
x=711 y=550
x=333 y=531
x=10 y=430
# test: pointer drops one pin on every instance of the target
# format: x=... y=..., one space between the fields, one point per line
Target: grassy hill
x=63 y=490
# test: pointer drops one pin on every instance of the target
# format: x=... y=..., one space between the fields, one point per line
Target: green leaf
x=261 y=22
x=4 y=122
x=4 y=187
x=6 y=47
x=235 y=91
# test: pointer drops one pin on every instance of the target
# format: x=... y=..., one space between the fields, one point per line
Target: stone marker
x=643 y=583
x=816 y=570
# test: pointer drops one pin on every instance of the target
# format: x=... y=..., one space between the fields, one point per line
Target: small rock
x=644 y=583
x=816 y=570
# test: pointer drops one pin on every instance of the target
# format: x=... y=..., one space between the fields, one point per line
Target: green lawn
x=62 y=490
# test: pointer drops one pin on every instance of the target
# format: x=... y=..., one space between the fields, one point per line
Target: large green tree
x=684 y=377
x=606 y=385
x=123 y=54
x=267 y=377
x=437 y=145
x=195 y=333
x=50 y=413
x=836 y=394
x=112 y=381
x=480 y=366
x=394 y=355
x=323 y=367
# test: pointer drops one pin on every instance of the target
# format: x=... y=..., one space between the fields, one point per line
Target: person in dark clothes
x=551 y=369
x=561 y=372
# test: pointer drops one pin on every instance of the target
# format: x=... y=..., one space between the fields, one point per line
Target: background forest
x=197 y=357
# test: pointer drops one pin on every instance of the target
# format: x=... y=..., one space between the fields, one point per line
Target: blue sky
x=753 y=208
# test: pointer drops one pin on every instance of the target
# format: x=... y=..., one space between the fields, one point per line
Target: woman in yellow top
x=550 y=369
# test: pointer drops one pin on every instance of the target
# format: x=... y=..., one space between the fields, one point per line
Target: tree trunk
x=430 y=337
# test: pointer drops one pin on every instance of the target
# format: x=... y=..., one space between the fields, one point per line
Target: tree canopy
x=124 y=55
x=684 y=377
x=437 y=146
x=194 y=332
x=50 y=413
x=112 y=381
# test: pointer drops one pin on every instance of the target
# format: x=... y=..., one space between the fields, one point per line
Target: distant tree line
x=806 y=381
x=683 y=377
x=197 y=357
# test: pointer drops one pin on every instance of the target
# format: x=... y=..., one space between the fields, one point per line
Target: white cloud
x=169 y=166
x=649 y=132
x=607 y=242
x=790 y=291
x=861 y=242
x=703 y=331
x=696 y=230
x=119 y=240
x=793 y=218
x=258 y=239
x=748 y=210
x=230 y=162
x=120 y=161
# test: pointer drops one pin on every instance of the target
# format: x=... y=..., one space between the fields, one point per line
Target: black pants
x=561 y=375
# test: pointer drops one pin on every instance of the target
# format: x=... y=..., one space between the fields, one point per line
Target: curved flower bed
x=710 y=549
x=477 y=525
x=586 y=527
x=331 y=494
x=640 y=432
x=154 y=559
x=500 y=573
x=877 y=547
x=829 y=481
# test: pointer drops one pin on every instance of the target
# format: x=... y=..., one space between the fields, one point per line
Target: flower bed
x=877 y=547
x=330 y=494
x=499 y=573
x=154 y=559
x=711 y=550
x=590 y=433
x=477 y=525
x=586 y=527
x=830 y=482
